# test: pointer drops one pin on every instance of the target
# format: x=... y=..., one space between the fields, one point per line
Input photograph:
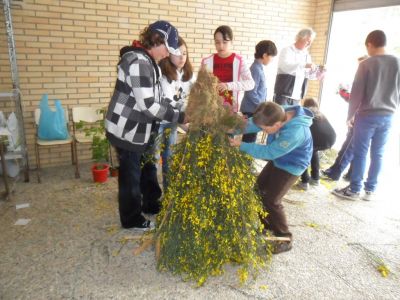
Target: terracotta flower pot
x=100 y=172
x=113 y=171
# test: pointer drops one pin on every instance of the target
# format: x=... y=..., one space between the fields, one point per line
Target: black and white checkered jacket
x=136 y=105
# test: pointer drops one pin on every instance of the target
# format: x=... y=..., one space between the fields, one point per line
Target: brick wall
x=69 y=49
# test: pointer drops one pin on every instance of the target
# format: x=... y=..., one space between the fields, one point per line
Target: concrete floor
x=73 y=248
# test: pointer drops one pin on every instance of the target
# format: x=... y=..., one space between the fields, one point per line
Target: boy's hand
x=235 y=142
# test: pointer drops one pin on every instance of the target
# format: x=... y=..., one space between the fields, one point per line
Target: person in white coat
x=294 y=66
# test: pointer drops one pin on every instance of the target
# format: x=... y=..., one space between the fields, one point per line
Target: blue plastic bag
x=52 y=124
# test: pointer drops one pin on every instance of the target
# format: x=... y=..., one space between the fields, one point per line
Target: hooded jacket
x=136 y=106
x=290 y=149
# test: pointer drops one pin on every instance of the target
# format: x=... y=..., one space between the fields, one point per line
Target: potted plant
x=100 y=148
x=100 y=168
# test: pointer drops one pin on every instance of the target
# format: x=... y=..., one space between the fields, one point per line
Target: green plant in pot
x=100 y=147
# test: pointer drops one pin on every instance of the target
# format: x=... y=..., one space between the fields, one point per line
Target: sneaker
x=368 y=196
x=145 y=226
x=327 y=175
x=346 y=193
x=303 y=185
x=325 y=172
x=142 y=224
x=280 y=247
x=314 y=182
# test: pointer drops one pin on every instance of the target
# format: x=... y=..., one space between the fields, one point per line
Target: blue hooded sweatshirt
x=290 y=149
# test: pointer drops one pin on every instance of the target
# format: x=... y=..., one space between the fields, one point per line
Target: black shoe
x=328 y=175
x=145 y=226
x=326 y=172
x=141 y=223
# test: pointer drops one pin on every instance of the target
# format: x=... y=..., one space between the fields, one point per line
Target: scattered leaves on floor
x=312 y=225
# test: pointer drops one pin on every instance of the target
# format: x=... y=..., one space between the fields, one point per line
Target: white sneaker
x=368 y=196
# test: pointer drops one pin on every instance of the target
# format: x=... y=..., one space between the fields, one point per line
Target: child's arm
x=245 y=83
x=285 y=143
x=251 y=127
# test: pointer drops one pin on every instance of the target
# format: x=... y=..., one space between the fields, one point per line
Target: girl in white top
x=230 y=68
x=176 y=83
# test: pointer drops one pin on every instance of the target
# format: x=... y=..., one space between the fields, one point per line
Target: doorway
x=346 y=43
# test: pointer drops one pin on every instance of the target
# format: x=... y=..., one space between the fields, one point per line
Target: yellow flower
x=383 y=269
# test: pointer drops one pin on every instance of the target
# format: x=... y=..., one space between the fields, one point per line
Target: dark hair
x=377 y=38
x=226 y=32
x=150 y=39
x=169 y=69
x=313 y=105
x=267 y=47
x=268 y=113
x=311 y=102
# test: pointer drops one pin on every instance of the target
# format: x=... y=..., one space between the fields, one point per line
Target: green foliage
x=100 y=146
x=210 y=213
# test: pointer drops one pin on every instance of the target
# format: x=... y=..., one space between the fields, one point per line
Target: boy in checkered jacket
x=132 y=120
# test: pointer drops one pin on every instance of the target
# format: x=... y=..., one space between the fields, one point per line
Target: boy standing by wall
x=265 y=52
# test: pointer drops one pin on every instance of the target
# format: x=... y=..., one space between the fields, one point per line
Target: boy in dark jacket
x=324 y=137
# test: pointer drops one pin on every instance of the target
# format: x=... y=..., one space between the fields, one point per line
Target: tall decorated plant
x=210 y=213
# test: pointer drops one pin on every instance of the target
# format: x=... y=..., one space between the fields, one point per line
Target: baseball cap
x=170 y=35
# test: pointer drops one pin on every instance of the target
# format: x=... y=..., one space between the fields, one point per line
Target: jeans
x=344 y=158
x=164 y=143
x=370 y=131
x=135 y=178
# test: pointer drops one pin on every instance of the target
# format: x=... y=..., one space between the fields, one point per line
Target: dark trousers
x=249 y=137
x=305 y=177
x=137 y=183
x=273 y=184
x=344 y=157
x=283 y=100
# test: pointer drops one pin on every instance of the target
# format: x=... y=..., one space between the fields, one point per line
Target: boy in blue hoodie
x=288 y=151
